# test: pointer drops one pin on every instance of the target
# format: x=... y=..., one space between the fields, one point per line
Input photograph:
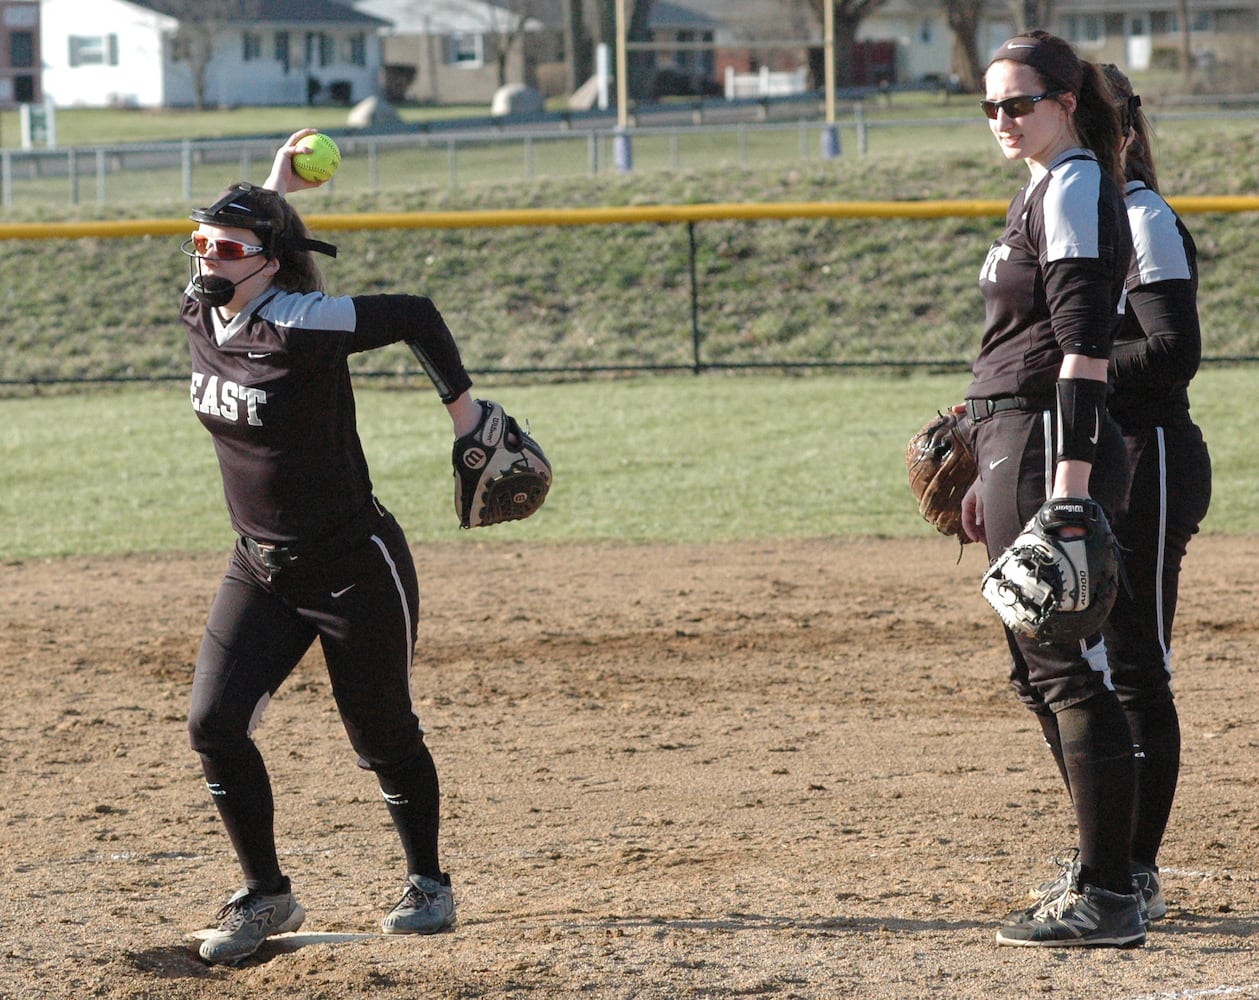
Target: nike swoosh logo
x=265 y=354
x=993 y=464
x=1097 y=428
x=343 y=592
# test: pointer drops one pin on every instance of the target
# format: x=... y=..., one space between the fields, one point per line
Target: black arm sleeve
x=1081 y=305
x=1171 y=350
x=387 y=319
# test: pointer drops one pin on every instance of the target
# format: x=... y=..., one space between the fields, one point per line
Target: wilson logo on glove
x=501 y=473
x=1055 y=587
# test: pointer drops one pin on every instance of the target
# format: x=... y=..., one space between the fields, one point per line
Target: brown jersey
x=272 y=386
x=1159 y=347
x=1053 y=283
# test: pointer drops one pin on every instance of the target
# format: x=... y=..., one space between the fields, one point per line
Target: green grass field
x=653 y=459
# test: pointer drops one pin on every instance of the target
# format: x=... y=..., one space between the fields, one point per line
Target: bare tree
x=577 y=59
x=1186 y=48
x=964 y=17
x=202 y=24
x=1029 y=14
x=503 y=23
x=640 y=63
x=848 y=17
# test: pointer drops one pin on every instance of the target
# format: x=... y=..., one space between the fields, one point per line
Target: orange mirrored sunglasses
x=220 y=249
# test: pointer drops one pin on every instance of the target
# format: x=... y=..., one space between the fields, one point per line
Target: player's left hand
x=501 y=473
x=973 y=513
x=1058 y=580
x=941 y=463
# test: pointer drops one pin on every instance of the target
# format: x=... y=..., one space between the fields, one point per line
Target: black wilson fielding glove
x=501 y=473
x=1054 y=588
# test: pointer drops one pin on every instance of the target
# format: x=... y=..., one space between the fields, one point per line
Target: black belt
x=981 y=409
x=273 y=557
x=276 y=557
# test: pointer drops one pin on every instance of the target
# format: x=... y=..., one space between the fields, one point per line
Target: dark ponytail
x=1097 y=122
x=298 y=271
x=1139 y=156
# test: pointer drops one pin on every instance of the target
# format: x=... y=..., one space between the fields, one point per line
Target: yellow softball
x=318 y=158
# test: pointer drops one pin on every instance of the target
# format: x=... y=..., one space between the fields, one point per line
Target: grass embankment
x=800 y=290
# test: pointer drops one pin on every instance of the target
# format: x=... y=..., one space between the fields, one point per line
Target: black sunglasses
x=1016 y=107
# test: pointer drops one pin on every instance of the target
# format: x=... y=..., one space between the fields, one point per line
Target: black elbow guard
x=1081 y=409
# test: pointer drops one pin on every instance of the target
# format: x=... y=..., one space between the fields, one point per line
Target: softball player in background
x=1156 y=355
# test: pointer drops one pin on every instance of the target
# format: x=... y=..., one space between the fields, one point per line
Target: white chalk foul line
x=1208 y=991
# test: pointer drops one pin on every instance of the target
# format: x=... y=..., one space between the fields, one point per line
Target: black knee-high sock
x=413 y=796
x=1156 y=744
x=241 y=790
x=1053 y=740
x=1097 y=752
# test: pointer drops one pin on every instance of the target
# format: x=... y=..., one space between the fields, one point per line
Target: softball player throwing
x=318 y=556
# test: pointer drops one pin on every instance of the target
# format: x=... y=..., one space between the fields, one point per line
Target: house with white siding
x=460 y=51
x=1135 y=34
x=129 y=53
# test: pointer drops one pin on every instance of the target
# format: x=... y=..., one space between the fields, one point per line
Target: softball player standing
x=1053 y=284
x=1156 y=355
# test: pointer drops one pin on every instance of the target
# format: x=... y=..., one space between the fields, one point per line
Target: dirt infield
x=784 y=769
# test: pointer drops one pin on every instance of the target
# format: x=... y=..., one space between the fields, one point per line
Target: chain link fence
x=556 y=302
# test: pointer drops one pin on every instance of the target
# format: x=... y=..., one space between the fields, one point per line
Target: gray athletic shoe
x=1082 y=917
x=248 y=919
x=427 y=906
x=1147 y=881
x=1047 y=892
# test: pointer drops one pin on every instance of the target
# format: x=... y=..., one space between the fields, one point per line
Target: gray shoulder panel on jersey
x=1156 y=239
x=310 y=311
x=1070 y=208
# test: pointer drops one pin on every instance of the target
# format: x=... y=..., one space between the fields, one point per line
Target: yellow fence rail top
x=613 y=215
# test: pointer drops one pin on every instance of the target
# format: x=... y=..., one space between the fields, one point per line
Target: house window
x=467 y=50
x=1163 y=22
x=282 y=49
x=21 y=49
x=21 y=15
x=356 y=50
x=24 y=88
x=1084 y=28
x=926 y=31
x=93 y=50
x=1202 y=20
x=251 y=50
x=327 y=50
x=684 y=59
